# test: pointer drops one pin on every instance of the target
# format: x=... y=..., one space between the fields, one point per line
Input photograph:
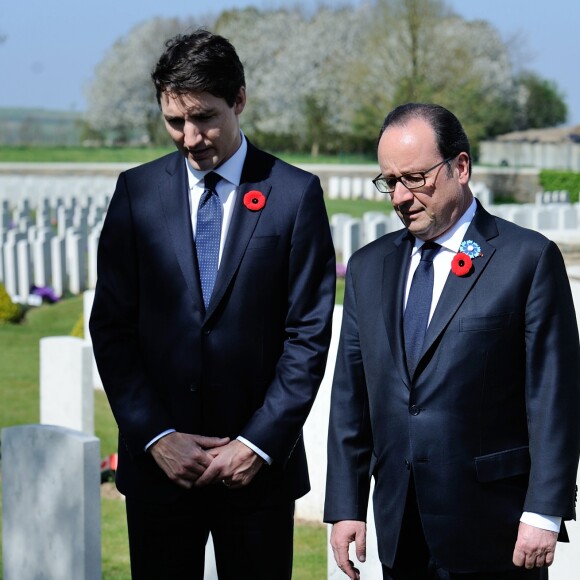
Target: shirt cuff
x=551 y=523
x=255 y=449
x=158 y=437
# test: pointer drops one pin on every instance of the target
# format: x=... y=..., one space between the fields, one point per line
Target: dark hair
x=449 y=133
x=199 y=62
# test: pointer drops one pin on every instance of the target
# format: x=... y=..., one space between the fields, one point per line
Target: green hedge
x=554 y=180
x=9 y=312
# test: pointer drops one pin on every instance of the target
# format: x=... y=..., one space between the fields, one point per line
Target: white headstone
x=51 y=504
x=66 y=383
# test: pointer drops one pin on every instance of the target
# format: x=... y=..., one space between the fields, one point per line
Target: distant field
x=136 y=155
x=81 y=154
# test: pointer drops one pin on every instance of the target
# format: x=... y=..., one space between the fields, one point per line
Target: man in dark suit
x=211 y=371
x=457 y=384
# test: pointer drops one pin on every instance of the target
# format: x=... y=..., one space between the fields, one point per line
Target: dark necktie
x=208 y=234
x=419 y=305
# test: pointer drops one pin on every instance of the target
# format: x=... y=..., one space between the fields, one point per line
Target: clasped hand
x=196 y=460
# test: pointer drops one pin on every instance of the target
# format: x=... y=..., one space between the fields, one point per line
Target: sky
x=50 y=49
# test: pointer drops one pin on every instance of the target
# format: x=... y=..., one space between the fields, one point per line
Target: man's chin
x=419 y=230
x=201 y=162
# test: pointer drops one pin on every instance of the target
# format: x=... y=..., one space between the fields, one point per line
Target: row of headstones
x=348 y=187
x=52 y=243
x=29 y=187
x=50 y=226
x=349 y=233
x=16 y=188
x=560 y=196
x=57 y=511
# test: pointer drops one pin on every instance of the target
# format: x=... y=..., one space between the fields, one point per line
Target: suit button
x=414 y=410
x=207 y=332
x=407 y=464
x=193 y=387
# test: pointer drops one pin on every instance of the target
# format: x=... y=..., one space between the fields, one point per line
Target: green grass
x=356 y=207
x=32 y=154
x=20 y=402
x=35 y=154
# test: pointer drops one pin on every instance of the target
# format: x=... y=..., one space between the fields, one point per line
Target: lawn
x=25 y=154
x=20 y=403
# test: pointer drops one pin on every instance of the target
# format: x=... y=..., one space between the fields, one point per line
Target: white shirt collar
x=452 y=238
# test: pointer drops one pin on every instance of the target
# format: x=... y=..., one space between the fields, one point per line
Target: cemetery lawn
x=79 y=154
x=20 y=404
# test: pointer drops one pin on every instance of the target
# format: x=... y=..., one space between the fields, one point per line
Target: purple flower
x=45 y=292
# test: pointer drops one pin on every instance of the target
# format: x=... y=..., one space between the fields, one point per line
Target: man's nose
x=191 y=135
x=401 y=194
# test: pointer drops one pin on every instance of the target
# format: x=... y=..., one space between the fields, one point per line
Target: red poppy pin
x=462 y=263
x=254 y=200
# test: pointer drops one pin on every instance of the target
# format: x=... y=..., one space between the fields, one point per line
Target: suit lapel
x=173 y=194
x=395 y=265
x=456 y=289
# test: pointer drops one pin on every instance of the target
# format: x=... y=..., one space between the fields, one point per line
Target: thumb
x=361 y=545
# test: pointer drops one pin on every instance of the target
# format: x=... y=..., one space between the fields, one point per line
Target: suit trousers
x=168 y=540
x=413 y=559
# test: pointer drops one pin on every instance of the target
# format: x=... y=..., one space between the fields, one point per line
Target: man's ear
x=240 y=101
x=463 y=164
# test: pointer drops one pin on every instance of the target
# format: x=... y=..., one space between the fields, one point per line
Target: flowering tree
x=121 y=96
x=324 y=81
x=298 y=73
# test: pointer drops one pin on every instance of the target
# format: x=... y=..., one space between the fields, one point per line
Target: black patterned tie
x=419 y=305
x=208 y=235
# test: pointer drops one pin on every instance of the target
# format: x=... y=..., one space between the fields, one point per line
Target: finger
x=540 y=561
x=211 y=442
x=342 y=561
x=351 y=571
x=201 y=460
x=361 y=546
x=211 y=475
x=518 y=558
x=530 y=561
x=183 y=482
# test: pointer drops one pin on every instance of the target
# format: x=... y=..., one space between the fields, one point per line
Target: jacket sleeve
x=349 y=433
x=552 y=388
x=276 y=426
x=139 y=412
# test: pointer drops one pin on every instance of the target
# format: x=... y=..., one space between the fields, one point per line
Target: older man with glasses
x=457 y=383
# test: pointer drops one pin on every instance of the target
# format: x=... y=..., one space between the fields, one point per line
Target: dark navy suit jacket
x=489 y=424
x=251 y=365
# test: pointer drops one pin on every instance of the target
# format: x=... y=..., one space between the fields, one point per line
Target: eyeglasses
x=409 y=180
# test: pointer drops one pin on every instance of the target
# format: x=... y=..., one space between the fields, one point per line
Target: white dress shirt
x=450 y=242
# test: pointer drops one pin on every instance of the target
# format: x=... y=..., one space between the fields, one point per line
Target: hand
x=535 y=547
x=184 y=457
x=343 y=533
x=234 y=463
